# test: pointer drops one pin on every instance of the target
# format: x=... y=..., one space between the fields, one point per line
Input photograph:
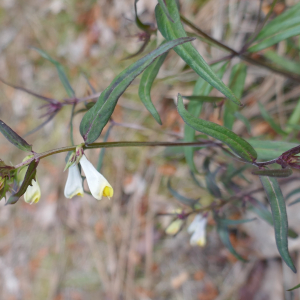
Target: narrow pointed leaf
x=238 y=145
x=209 y=99
x=187 y=201
x=270 y=41
x=294 y=202
x=202 y=88
x=14 y=138
x=268 y=150
x=187 y=52
x=165 y=9
x=242 y=118
x=228 y=222
x=280 y=221
x=29 y=176
x=210 y=180
x=273 y=173
x=292 y=193
x=224 y=236
x=283 y=62
x=139 y=23
x=282 y=22
x=97 y=117
x=295 y=287
x=60 y=70
x=236 y=84
x=146 y=82
x=262 y=211
x=270 y=120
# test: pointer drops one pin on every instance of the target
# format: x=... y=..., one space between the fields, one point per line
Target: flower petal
x=97 y=183
x=73 y=185
x=33 y=193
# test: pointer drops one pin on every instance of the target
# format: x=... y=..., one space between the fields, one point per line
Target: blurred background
x=80 y=248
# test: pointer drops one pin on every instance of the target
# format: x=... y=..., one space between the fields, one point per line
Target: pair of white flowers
x=197 y=228
x=97 y=183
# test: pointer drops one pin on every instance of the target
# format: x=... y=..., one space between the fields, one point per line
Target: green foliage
x=97 y=117
x=280 y=221
x=14 y=138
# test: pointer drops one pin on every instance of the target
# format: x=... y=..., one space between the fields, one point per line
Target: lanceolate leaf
x=232 y=140
x=273 y=173
x=146 y=83
x=29 y=176
x=262 y=211
x=14 y=138
x=295 y=287
x=270 y=120
x=210 y=180
x=224 y=236
x=187 y=201
x=277 y=204
x=284 y=21
x=187 y=52
x=96 y=118
x=276 y=39
x=209 y=99
x=165 y=9
x=268 y=150
x=236 y=84
x=201 y=89
x=60 y=70
x=228 y=222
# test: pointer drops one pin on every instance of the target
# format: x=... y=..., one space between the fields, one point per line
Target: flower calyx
x=75 y=156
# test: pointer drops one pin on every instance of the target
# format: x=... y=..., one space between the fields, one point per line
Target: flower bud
x=33 y=192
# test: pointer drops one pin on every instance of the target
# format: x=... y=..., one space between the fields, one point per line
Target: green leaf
x=263 y=212
x=165 y=9
x=29 y=176
x=236 y=84
x=283 y=22
x=268 y=150
x=209 y=99
x=146 y=83
x=187 y=52
x=60 y=70
x=202 y=88
x=186 y=201
x=268 y=42
x=228 y=222
x=239 y=146
x=294 y=202
x=139 y=23
x=294 y=118
x=270 y=120
x=294 y=288
x=224 y=236
x=96 y=118
x=273 y=173
x=14 y=138
x=280 y=221
x=210 y=180
x=242 y=118
x=287 y=64
x=292 y=193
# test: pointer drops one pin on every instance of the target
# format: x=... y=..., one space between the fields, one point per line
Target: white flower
x=97 y=183
x=198 y=230
x=73 y=185
x=33 y=192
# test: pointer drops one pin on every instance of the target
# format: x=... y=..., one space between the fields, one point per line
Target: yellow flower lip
x=108 y=192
